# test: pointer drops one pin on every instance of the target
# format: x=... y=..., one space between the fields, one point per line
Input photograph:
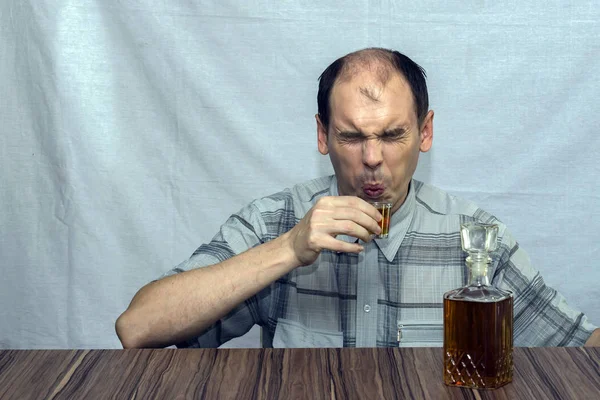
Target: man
x=302 y=263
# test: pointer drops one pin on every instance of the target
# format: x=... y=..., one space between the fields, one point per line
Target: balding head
x=382 y=65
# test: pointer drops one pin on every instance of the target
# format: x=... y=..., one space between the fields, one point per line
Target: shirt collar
x=399 y=224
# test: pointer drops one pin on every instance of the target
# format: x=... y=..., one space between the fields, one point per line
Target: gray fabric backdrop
x=130 y=130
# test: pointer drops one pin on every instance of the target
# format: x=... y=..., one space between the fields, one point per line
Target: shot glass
x=384 y=224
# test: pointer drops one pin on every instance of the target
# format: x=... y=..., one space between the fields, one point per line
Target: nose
x=372 y=153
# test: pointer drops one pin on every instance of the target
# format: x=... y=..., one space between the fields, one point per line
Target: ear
x=426 y=133
x=321 y=136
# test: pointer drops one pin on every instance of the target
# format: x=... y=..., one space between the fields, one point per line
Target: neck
x=478 y=272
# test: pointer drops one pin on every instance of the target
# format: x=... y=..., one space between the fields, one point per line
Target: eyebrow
x=395 y=132
x=400 y=131
x=351 y=134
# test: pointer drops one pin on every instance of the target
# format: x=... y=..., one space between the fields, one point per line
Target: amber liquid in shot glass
x=384 y=224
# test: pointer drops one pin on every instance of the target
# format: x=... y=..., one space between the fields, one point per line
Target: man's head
x=373 y=121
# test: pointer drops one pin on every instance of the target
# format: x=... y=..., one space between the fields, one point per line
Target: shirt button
x=367 y=308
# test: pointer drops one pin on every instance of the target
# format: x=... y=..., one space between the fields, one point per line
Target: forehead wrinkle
x=352 y=125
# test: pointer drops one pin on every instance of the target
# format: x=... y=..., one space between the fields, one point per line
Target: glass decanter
x=478 y=319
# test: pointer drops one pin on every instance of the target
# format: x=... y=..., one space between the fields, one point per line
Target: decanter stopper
x=479 y=240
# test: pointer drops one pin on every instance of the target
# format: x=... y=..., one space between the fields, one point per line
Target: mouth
x=373 y=191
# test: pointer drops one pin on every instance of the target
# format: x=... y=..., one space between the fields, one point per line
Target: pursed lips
x=373 y=190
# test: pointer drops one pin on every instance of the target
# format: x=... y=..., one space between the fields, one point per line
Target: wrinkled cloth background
x=130 y=130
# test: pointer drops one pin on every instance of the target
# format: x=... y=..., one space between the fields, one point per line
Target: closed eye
x=391 y=135
x=350 y=137
x=394 y=134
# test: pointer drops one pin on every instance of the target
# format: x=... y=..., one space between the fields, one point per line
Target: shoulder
x=439 y=210
x=433 y=200
x=298 y=197
x=279 y=212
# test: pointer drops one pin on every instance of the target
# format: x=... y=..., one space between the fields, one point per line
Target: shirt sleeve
x=542 y=316
x=239 y=233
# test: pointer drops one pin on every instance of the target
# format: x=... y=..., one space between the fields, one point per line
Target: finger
x=333 y=244
x=357 y=203
x=357 y=216
x=350 y=228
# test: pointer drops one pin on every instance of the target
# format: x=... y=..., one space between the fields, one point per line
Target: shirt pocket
x=420 y=334
x=293 y=334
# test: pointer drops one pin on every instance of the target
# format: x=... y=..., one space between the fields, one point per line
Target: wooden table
x=393 y=373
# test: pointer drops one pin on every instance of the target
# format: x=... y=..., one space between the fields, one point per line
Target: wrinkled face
x=373 y=138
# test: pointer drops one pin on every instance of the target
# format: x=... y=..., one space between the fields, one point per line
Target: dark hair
x=411 y=71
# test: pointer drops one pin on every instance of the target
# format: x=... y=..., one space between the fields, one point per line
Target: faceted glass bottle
x=478 y=320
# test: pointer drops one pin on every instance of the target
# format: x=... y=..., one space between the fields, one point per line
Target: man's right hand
x=329 y=217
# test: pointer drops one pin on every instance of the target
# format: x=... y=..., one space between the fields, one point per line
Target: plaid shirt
x=389 y=295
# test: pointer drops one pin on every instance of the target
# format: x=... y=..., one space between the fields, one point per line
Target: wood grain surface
x=384 y=373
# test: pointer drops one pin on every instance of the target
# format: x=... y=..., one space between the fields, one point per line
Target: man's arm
x=184 y=305
x=594 y=340
x=542 y=315
x=181 y=306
